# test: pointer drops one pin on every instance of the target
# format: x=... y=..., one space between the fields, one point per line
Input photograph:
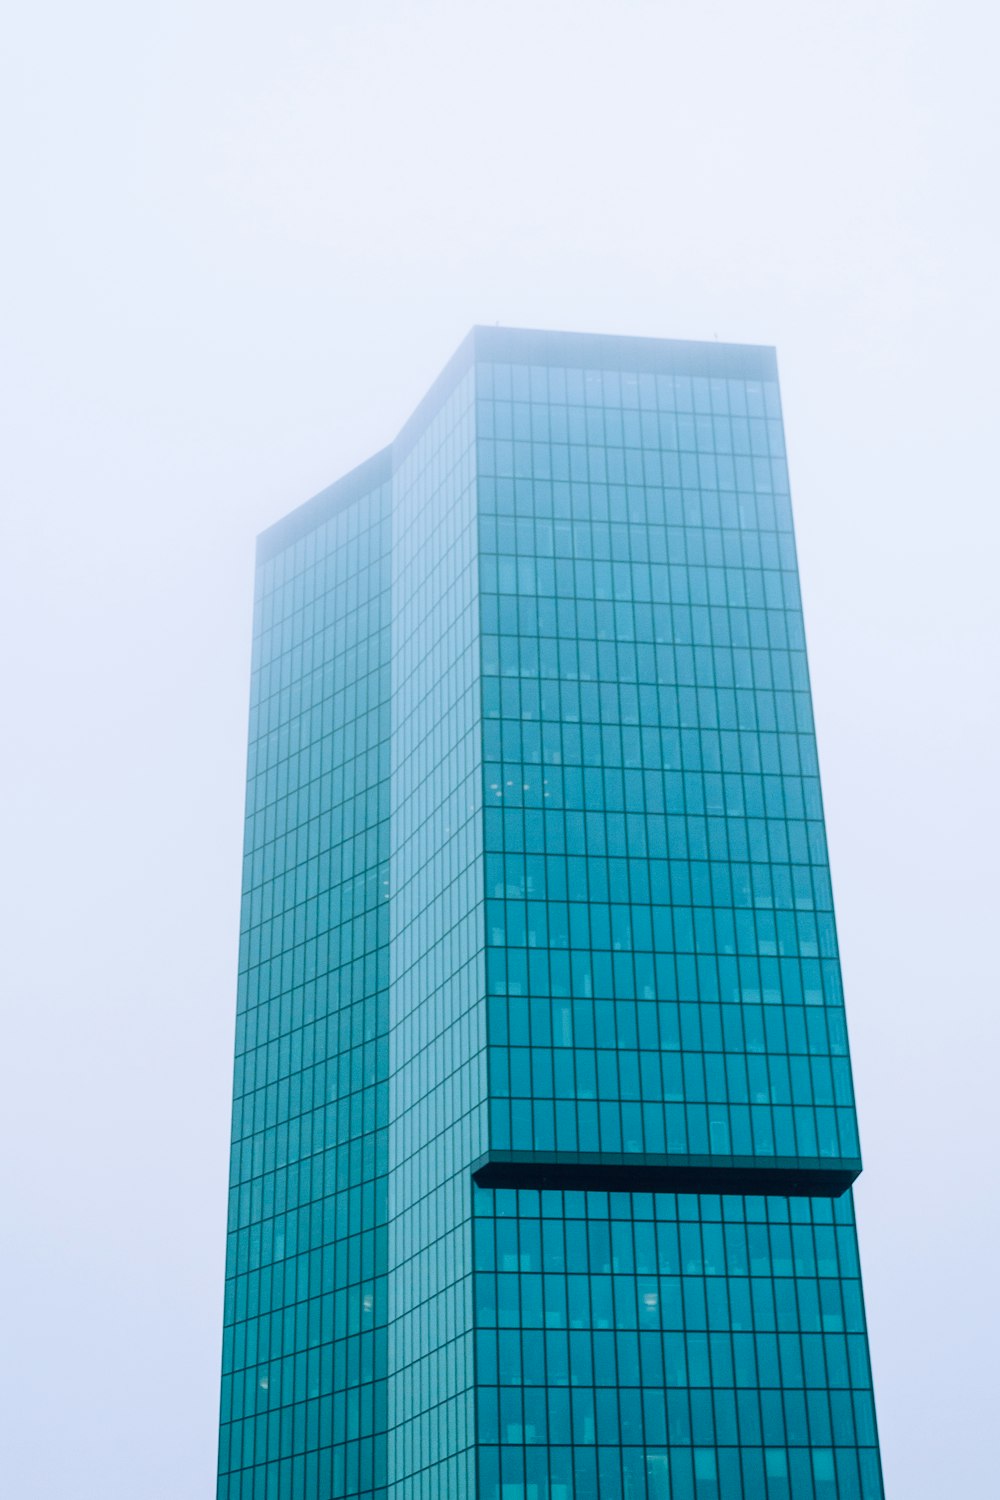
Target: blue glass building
x=543 y=1128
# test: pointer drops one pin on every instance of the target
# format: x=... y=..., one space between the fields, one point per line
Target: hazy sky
x=240 y=241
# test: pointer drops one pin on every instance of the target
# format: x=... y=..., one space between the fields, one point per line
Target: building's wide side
x=543 y=1125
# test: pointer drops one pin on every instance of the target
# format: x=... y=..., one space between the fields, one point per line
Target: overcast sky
x=241 y=240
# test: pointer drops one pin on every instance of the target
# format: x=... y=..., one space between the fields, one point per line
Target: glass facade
x=543 y=1128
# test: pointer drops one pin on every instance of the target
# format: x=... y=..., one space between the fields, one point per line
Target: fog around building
x=240 y=242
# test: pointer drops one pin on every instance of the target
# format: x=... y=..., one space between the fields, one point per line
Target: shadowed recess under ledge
x=812 y=1177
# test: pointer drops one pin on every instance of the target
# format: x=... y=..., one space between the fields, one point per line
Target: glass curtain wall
x=544 y=1127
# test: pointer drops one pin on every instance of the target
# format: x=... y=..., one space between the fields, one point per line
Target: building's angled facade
x=543 y=1124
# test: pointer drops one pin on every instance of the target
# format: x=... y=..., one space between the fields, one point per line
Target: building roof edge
x=350 y=487
x=493 y=344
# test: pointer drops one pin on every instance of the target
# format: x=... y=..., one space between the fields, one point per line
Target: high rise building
x=543 y=1130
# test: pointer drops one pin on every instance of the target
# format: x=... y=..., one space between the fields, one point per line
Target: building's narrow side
x=304 y=1381
x=437 y=1049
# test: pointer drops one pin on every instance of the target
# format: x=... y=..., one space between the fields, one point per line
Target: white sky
x=241 y=240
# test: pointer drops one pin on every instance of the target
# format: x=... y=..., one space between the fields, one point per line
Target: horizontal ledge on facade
x=606 y=1172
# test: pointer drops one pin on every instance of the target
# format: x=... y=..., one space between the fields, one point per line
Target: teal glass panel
x=304 y=1386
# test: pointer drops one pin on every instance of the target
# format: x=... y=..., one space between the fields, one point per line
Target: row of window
x=633 y=974
x=665 y=474
x=315 y=647
x=705 y=699
x=697 y=564
x=318 y=744
x=271 y=1004
x=511 y=524
x=665 y=1027
x=276 y=771
x=796 y=1059
x=316 y=669
x=673 y=1077
x=729 y=652
x=678 y=1473
x=582 y=1099
x=679 y=881
x=344 y=632
x=563 y=385
x=573 y=660
x=777 y=815
x=322 y=626
x=619 y=704
x=646 y=586
x=787 y=1226
x=683 y=880
x=640 y=927
x=732 y=794
x=743 y=870
x=653 y=1417
x=615 y=427
x=742 y=517
x=625 y=1127
x=716 y=733
x=261 y=1442
x=313 y=945
x=761 y=923
x=698 y=836
x=340 y=895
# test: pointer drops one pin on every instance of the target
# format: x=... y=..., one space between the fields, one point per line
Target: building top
x=530 y=347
